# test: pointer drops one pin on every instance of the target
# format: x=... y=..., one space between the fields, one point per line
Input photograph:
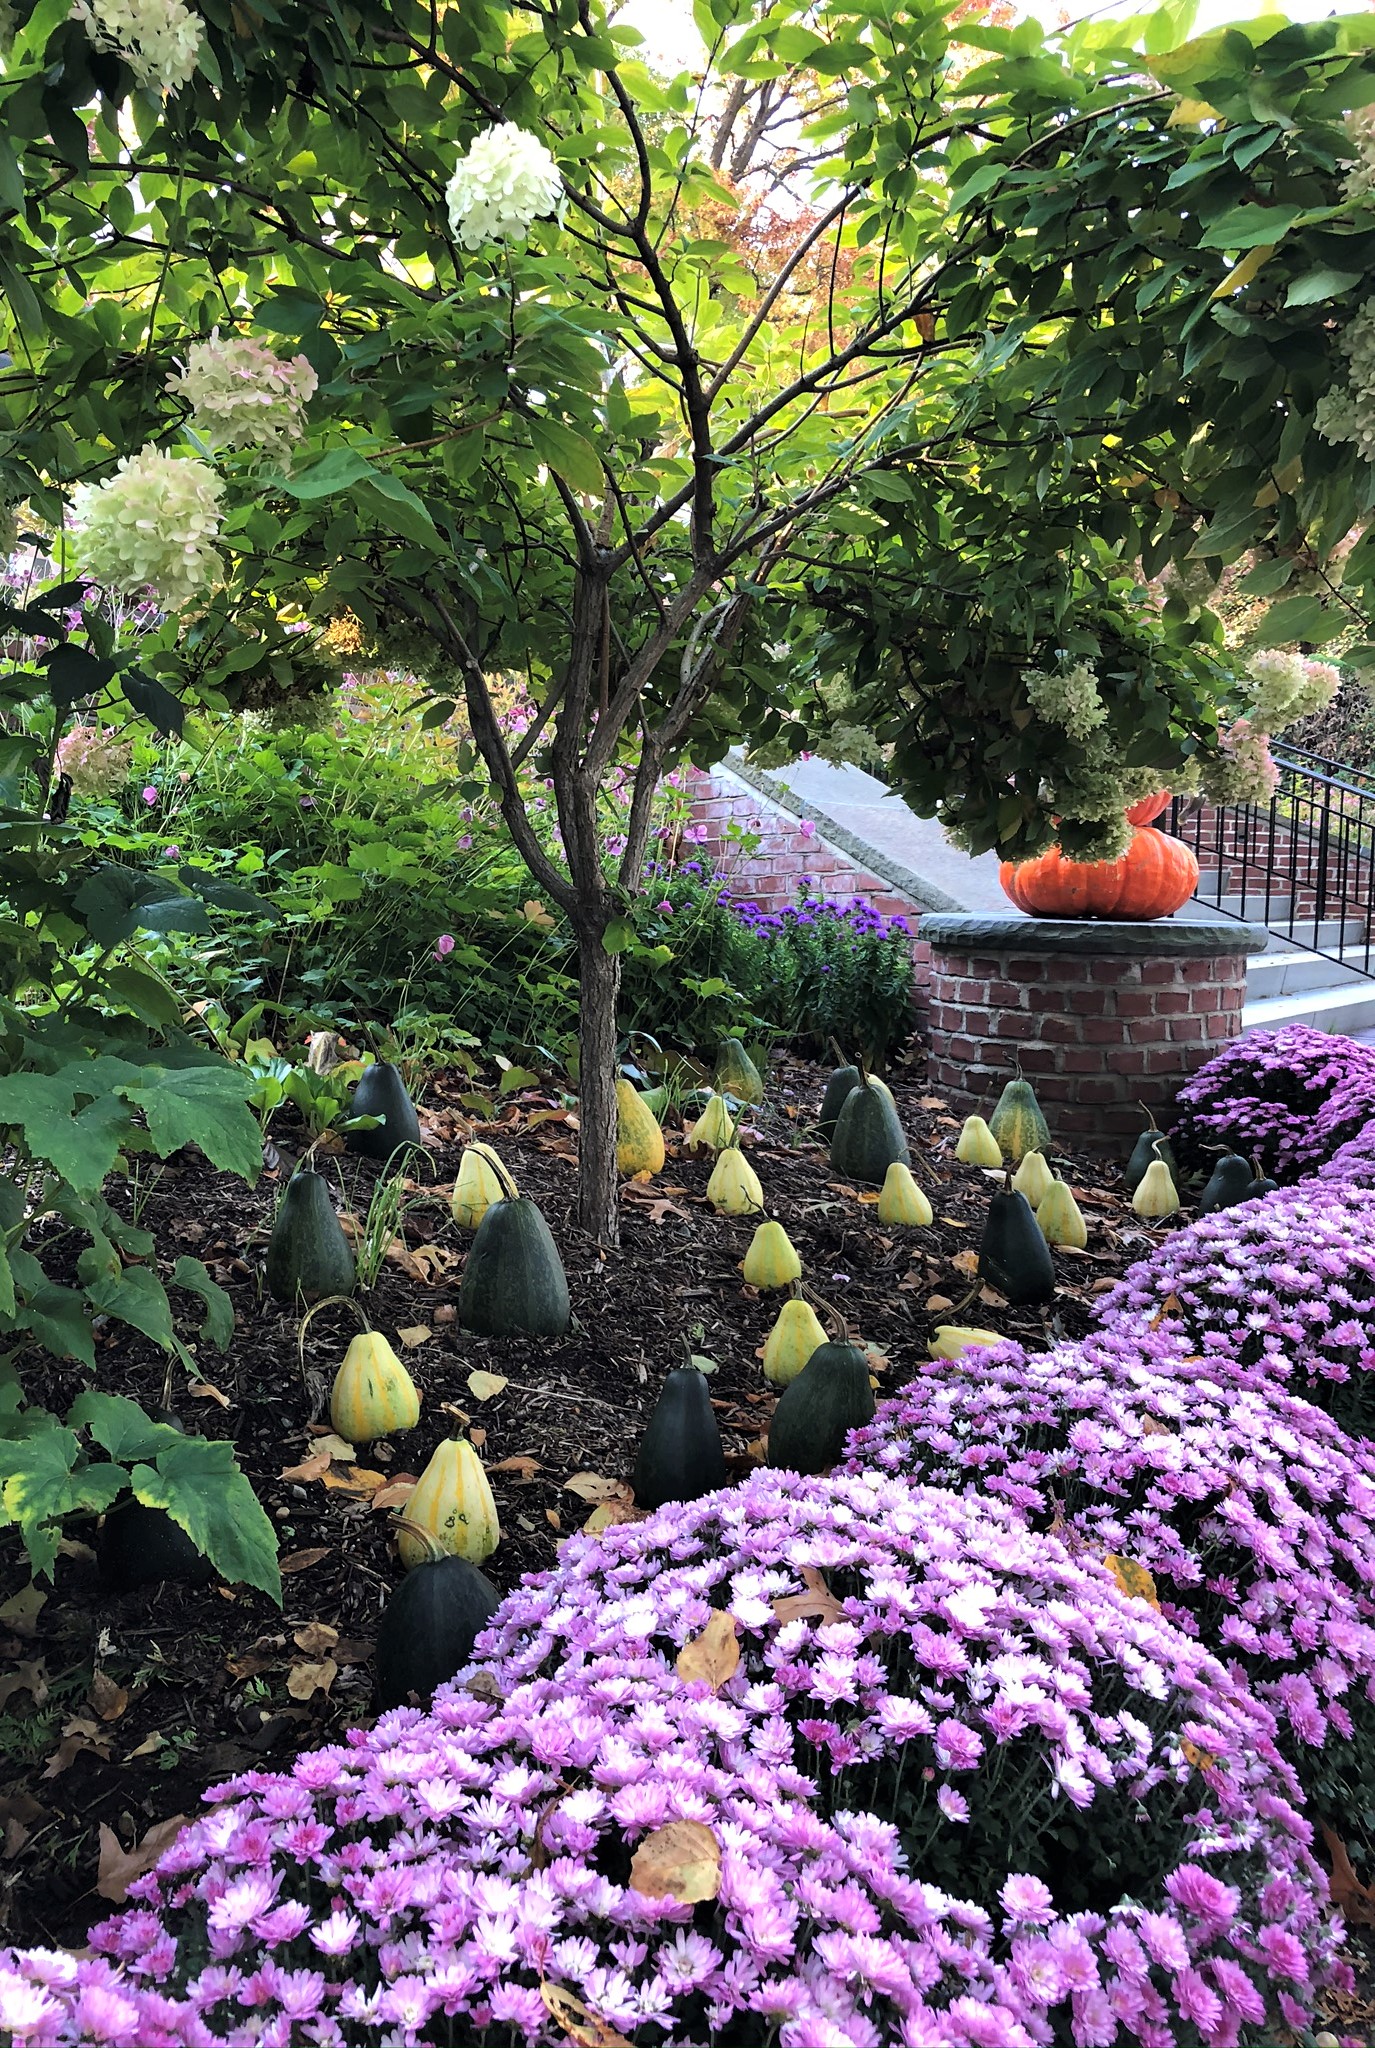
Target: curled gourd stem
x=400 y=1526
x=800 y=1290
x=834 y=1044
x=512 y=1191
x=1149 y=1115
x=330 y=1301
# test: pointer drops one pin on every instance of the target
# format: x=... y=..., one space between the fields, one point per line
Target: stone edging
x=926 y=895
x=1163 y=939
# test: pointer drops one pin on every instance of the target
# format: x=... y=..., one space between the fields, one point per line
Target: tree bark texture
x=599 y=981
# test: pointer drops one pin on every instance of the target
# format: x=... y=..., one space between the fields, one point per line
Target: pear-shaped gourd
x=791 y=1342
x=713 y=1130
x=481 y=1182
x=1014 y=1257
x=428 y=1628
x=381 y=1092
x=1033 y=1177
x=901 y=1200
x=838 y=1090
x=1156 y=1195
x=816 y=1412
x=1227 y=1184
x=1261 y=1185
x=771 y=1260
x=734 y=1189
x=737 y=1075
x=868 y=1135
x=639 y=1139
x=951 y=1339
x=1017 y=1122
x=1060 y=1218
x=976 y=1144
x=514 y=1279
x=680 y=1455
x=451 y=1506
x=373 y=1394
x=308 y=1255
x=1150 y=1146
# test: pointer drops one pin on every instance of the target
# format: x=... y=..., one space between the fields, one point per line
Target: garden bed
x=119 y=1712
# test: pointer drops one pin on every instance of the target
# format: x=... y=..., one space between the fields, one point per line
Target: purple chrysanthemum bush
x=1284 y=1285
x=989 y=1800
x=1288 y=1099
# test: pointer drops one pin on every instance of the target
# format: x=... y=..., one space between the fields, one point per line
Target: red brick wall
x=1254 y=851
x=1096 y=1037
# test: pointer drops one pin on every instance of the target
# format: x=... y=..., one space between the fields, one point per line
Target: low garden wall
x=1101 y=1016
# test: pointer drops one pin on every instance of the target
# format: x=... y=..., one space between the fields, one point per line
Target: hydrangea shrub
x=152 y=525
x=1253 y=1512
x=1287 y=1098
x=1285 y=1284
x=906 y=1686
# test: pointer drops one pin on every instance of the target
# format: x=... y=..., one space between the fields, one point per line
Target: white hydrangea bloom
x=1347 y=411
x=506 y=181
x=152 y=525
x=1069 y=697
x=95 y=761
x=1359 y=183
x=1243 y=770
x=160 y=40
x=1287 y=686
x=242 y=395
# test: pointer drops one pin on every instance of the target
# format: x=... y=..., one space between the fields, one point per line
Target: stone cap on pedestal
x=1165 y=938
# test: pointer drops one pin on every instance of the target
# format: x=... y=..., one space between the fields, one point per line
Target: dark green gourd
x=1014 y=1256
x=680 y=1455
x=816 y=1411
x=839 y=1088
x=428 y=1628
x=514 y=1279
x=1227 y=1184
x=139 y=1545
x=308 y=1255
x=1144 y=1153
x=868 y=1135
x=382 y=1092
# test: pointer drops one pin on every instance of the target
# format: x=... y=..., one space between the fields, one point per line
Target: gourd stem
x=435 y=1554
x=833 y=1315
x=834 y=1044
x=330 y=1301
x=512 y=1191
x=1149 y=1115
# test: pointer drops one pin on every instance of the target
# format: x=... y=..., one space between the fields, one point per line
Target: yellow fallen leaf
x=593 y=1486
x=681 y=1860
x=1134 y=1580
x=609 y=1514
x=485 y=1386
x=360 y=1480
x=413 y=1334
x=303 y=1681
x=336 y=1447
x=713 y=1656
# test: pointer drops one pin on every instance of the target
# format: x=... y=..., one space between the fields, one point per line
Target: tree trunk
x=599 y=981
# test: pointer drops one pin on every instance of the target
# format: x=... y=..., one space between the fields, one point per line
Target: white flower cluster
x=242 y=395
x=1286 y=687
x=1347 y=411
x=160 y=40
x=1243 y=770
x=505 y=182
x=95 y=762
x=1068 y=697
x=152 y=525
x=1359 y=183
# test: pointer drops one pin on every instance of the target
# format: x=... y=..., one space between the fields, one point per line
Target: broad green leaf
x=120 y=1426
x=7 y=1297
x=619 y=934
x=116 y=902
x=203 y=1106
x=142 y=992
x=1315 y=287
x=218 y=1324
x=203 y=1490
x=574 y=458
x=400 y=510
x=43 y=1479
x=333 y=473
x=82 y=1147
x=136 y=1296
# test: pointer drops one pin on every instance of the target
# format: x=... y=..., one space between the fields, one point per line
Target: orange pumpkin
x=1149 y=808
x=1154 y=877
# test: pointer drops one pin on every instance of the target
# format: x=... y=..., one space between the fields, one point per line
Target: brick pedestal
x=1101 y=1017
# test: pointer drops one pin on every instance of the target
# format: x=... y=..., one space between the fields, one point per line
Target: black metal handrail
x=1303 y=864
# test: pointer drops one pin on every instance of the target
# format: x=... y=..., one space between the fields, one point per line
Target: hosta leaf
x=204 y=1491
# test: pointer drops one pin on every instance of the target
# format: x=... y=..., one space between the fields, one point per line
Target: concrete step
x=1347 y=1009
x=1285 y=972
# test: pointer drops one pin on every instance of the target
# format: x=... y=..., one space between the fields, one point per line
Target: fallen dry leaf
x=593 y=1486
x=936 y=1302
x=681 y=1860
x=581 y=2026
x=1134 y=1580
x=395 y=1493
x=524 y=1468
x=609 y=1514
x=966 y=1262
x=302 y=1560
x=303 y=1681
x=119 y=1867
x=991 y=1298
x=313 y=1467
x=315 y=1637
x=818 y=1603
x=1150 y=1427
x=18 y=1814
x=107 y=1699
x=19 y=1614
x=1353 y=1900
x=336 y=1447
x=932 y=1102
x=553 y=1518
x=413 y=1334
x=149 y=1746
x=201 y=1390
x=485 y=1386
x=360 y=1481
x=713 y=1656
x=250 y=1663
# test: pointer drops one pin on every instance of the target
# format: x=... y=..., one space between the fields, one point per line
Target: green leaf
x=120 y=1426
x=203 y=1490
x=55 y=1315
x=1317 y=286
x=560 y=449
x=218 y=1324
x=83 y=1148
x=116 y=902
x=7 y=1295
x=203 y=1106
x=1246 y=227
x=333 y=473
x=137 y=1297
x=619 y=934
x=136 y=989
x=150 y=698
x=400 y=510
x=43 y=1479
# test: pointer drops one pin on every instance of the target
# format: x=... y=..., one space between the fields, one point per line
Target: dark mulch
x=118 y=1713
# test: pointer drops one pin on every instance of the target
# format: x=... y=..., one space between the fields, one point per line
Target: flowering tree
x=408 y=314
